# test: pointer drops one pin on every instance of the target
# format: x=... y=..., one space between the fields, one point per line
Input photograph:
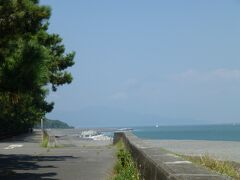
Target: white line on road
x=179 y=162
x=12 y=146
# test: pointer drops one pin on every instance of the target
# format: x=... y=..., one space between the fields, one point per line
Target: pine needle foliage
x=31 y=61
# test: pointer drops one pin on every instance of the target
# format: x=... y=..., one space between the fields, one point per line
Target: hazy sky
x=169 y=61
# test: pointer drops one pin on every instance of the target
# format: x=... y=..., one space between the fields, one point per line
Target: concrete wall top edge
x=157 y=163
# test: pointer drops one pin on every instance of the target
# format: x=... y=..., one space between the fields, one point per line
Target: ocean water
x=200 y=132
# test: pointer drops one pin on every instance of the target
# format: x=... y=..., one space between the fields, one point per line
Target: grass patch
x=45 y=140
x=222 y=167
x=125 y=167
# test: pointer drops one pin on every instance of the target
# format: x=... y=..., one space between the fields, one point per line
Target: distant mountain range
x=114 y=117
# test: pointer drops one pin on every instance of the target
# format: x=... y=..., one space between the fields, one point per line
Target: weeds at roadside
x=45 y=140
x=222 y=167
x=125 y=167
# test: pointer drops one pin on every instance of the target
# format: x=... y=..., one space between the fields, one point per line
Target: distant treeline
x=33 y=63
x=54 y=124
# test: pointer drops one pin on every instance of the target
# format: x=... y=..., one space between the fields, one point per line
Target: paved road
x=224 y=150
x=23 y=158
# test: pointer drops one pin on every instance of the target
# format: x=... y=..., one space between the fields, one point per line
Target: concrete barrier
x=158 y=164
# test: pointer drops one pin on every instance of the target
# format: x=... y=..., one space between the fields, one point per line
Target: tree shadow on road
x=26 y=167
x=34 y=137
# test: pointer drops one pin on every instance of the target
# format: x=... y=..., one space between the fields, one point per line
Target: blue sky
x=146 y=62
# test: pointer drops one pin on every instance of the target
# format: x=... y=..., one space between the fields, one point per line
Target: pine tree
x=31 y=59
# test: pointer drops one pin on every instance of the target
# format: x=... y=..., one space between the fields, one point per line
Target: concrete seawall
x=156 y=163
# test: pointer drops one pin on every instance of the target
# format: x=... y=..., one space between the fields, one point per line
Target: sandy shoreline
x=223 y=150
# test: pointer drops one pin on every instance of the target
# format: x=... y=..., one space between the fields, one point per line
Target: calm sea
x=200 y=132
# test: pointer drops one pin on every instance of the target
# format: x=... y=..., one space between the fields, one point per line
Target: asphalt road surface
x=22 y=158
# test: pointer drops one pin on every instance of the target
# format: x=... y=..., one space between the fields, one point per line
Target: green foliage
x=31 y=60
x=45 y=140
x=55 y=124
x=125 y=167
x=221 y=167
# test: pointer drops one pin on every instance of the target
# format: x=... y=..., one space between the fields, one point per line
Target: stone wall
x=156 y=163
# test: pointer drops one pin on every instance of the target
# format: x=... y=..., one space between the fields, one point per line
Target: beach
x=222 y=150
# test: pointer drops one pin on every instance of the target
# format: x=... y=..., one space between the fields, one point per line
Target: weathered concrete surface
x=156 y=163
x=81 y=160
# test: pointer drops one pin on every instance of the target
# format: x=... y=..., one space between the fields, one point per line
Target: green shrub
x=125 y=168
x=45 y=140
